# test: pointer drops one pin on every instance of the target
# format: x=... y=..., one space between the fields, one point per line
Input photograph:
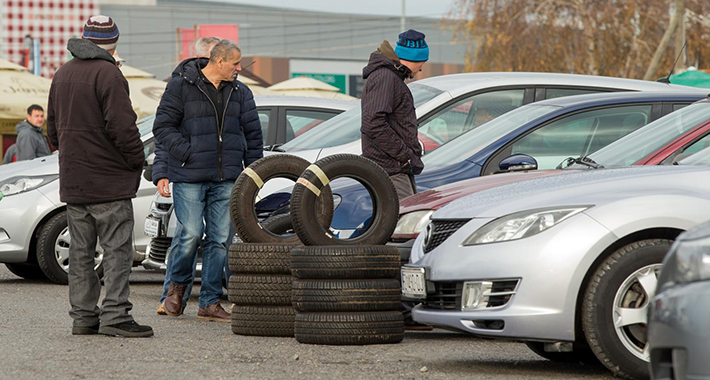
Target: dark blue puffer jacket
x=186 y=129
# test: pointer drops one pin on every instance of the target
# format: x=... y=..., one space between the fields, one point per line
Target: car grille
x=159 y=248
x=440 y=231
x=447 y=295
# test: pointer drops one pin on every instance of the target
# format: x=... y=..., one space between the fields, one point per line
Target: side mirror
x=421 y=144
x=148 y=167
x=517 y=163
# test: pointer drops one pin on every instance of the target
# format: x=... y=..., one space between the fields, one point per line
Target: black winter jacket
x=389 y=121
x=186 y=127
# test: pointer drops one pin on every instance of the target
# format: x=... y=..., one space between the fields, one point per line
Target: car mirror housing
x=518 y=162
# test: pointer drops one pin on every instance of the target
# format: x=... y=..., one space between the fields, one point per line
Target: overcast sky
x=425 y=8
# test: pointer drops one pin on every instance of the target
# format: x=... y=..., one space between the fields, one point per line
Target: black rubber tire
x=248 y=258
x=347 y=295
x=273 y=290
x=46 y=259
x=579 y=355
x=279 y=224
x=26 y=271
x=385 y=204
x=263 y=320
x=344 y=262
x=379 y=327
x=598 y=304
x=245 y=190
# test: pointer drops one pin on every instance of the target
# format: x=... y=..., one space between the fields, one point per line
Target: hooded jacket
x=389 y=121
x=186 y=127
x=91 y=121
x=30 y=143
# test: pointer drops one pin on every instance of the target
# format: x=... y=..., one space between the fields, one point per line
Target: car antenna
x=667 y=79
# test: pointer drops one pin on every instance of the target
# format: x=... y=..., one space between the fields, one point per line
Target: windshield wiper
x=274 y=148
x=586 y=161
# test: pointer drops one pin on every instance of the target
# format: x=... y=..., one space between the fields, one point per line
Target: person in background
x=203 y=46
x=92 y=123
x=30 y=143
x=207 y=122
x=389 y=121
x=10 y=155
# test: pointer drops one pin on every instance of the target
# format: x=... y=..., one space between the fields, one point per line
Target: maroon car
x=663 y=141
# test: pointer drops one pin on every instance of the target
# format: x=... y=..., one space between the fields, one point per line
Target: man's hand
x=164 y=187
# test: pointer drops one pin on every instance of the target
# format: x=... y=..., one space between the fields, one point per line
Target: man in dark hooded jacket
x=91 y=121
x=30 y=143
x=389 y=121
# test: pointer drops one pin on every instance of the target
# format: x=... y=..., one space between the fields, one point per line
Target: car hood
x=36 y=166
x=310 y=155
x=354 y=147
x=588 y=187
x=439 y=197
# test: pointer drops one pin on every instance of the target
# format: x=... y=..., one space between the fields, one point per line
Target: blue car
x=549 y=131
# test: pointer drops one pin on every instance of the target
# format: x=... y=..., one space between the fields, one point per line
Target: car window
x=300 y=121
x=467 y=114
x=264 y=115
x=698 y=145
x=552 y=93
x=148 y=147
x=145 y=125
x=678 y=106
x=580 y=134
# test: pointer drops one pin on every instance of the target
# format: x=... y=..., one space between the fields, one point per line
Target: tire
x=344 y=262
x=349 y=328
x=245 y=190
x=579 y=355
x=246 y=258
x=53 y=248
x=272 y=290
x=27 y=271
x=618 y=276
x=347 y=295
x=279 y=224
x=385 y=204
x=263 y=320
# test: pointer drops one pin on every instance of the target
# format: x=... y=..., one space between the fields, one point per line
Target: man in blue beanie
x=389 y=121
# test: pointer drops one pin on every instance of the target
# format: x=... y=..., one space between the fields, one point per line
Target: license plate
x=413 y=282
x=152 y=227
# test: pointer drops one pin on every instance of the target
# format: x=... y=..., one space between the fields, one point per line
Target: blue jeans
x=195 y=203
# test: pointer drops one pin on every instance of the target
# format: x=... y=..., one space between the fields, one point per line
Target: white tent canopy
x=305 y=86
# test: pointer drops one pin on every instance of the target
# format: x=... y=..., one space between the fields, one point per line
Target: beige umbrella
x=305 y=86
x=146 y=91
x=18 y=90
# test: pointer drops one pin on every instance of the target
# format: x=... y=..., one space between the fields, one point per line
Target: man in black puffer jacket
x=207 y=122
x=389 y=121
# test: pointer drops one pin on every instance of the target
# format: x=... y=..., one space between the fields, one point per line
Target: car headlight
x=21 y=184
x=522 y=224
x=688 y=261
x=410 y=225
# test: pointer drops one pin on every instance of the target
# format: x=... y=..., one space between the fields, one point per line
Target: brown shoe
x=161 y=309
x=215 y=313
x=173 y=302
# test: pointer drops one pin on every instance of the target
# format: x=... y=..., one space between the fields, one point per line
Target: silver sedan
x=566 y=264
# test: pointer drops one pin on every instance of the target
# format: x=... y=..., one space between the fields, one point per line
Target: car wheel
x=579 y=355
x=53 y=250
x=246 y=189
x=28 y=271
x=307 y=192
x=377 y=327
x=614 y=310
x=263 y=320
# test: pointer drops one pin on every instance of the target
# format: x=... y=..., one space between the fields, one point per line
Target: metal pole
x=403 y=20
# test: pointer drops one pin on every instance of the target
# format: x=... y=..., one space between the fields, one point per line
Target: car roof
x=459 y=84
x=304 y=101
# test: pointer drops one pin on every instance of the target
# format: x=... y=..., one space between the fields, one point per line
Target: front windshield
x=644 y=141
x=702 y=158
x=462 y=147
x=345 y=128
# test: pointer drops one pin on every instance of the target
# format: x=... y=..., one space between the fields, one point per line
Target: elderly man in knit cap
x=92 y=123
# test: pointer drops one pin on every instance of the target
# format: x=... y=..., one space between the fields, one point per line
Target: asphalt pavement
x=36 y=343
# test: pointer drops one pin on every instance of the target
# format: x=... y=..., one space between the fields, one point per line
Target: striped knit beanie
x=102 y=31
x=412 y=47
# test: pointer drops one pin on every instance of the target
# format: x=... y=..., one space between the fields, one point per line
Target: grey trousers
x=112 y=222
x=404 y=184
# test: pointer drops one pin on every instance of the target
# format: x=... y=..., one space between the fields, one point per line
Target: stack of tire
x=346 y=291
x=261 y=283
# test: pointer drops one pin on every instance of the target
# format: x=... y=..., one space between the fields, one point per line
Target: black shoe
x=85 y=330
x=129 y=329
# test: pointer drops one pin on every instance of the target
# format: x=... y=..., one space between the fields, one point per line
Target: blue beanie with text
x=412 y=47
